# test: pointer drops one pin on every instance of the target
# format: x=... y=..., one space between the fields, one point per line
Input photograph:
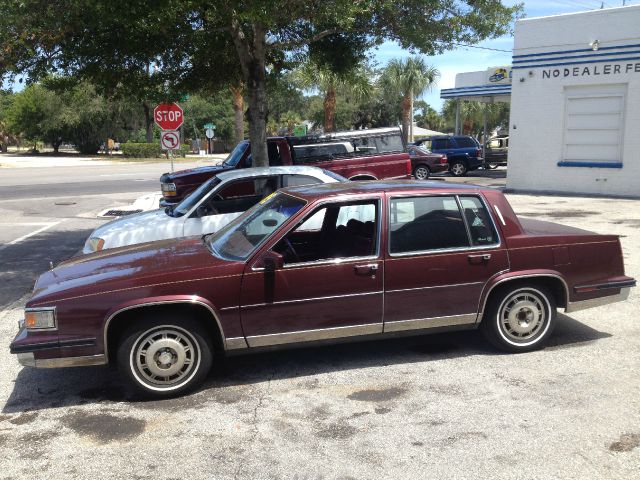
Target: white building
x=575 y=103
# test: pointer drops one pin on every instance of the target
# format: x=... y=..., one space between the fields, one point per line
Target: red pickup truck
x=373 y=154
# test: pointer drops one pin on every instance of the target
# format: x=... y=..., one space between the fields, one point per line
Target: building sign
x=497 y=75
x=592 y=70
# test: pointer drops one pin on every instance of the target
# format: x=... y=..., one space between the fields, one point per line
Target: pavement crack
x=254 y=421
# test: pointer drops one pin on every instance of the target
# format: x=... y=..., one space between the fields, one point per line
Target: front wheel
x=421 y=172
x=458 y=168
x=163 y=357
x=519 y=319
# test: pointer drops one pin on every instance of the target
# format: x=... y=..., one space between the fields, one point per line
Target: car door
x=442 y=250
x=331 y=283
x=227 y=202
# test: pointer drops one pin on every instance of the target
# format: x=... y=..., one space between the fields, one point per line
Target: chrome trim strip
x=520 y=277
x=312 y=299
x=433 y=322
x=236 y=343
x=499 y=213
x=149 y=304
x=598 y=302
x=28 y=360
x=333 y=261
x=44 y=309
x=435 y=286
x=397 y=256
x=313 y=335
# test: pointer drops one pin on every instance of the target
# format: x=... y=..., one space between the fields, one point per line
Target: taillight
x=444 y=160
x=478 y=153
x=409 y=169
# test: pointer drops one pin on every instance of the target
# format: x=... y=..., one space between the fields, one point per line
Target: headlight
x=95 y=244
x=40 y=318
x=168 y=189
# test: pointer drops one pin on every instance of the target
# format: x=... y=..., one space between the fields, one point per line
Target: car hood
x=138 y=228
x=168 y=177
x=129 y=267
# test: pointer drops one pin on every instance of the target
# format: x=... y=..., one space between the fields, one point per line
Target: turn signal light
x=39 y=319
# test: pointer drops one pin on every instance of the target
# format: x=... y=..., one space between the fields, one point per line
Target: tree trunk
x=148 y=122
x=411 y=116
x=406 y=113
x=251 y=51
x=238 y=112
x=56 y=145
x=329 y=109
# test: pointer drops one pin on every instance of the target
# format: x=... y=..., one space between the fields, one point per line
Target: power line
x=481 y=48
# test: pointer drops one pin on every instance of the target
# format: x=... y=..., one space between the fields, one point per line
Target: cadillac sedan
x=207 y=209
x=320 y=263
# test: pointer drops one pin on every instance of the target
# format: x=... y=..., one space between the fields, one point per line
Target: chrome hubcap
x=522 y=316
x=422 y=173
x=165 y=357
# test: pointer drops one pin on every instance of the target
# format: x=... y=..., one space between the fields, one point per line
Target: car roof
x=311 y=192
x=264 y=171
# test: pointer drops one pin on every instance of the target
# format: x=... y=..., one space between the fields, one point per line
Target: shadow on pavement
x=43 y=389
x=23 y=262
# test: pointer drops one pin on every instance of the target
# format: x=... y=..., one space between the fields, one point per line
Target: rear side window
x=392 y=143
x=466 y=142
x=481 y=227
x=293 y=180
x=440 y=144
x=425 y=223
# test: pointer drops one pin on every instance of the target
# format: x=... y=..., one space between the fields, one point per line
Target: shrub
x=149 y=150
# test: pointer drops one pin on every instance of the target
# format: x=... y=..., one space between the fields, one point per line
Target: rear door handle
x=479 y=259
x=368 y=269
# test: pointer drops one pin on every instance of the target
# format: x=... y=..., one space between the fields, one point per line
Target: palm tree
x=408 y=79
x=355 y=82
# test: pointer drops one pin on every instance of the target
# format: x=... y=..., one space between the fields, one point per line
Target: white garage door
x=594 y=120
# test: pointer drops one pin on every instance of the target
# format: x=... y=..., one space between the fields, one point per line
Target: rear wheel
x=458 y=168
x=519 y=318
x=163 y=356
x=421 y=172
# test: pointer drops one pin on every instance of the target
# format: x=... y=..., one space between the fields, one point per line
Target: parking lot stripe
x=28 y=235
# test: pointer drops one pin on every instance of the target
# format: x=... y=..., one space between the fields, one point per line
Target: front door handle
x=479 y=259
x=368 y=269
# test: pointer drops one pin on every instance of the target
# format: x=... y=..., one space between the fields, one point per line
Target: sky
x=469 y=59
x=466 y=59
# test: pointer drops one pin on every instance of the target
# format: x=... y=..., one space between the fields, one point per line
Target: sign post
x=169 y=117
x=210 y=132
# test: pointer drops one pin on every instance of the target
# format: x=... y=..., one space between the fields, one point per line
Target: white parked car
x=208 y=208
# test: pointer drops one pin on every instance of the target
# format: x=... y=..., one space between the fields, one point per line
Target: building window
x=593 y=126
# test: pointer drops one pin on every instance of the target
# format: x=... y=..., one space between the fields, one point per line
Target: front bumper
x=28 y=360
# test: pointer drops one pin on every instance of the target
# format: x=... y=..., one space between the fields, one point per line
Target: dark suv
x=464 y=152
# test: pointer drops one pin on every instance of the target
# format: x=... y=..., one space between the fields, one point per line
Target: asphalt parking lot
x=440 y=406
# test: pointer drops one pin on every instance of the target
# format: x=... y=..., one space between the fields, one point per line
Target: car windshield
x=235 y=156
x=193 y=198
x=239 y=239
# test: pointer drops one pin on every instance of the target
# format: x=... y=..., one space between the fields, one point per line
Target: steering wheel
x=289 y=250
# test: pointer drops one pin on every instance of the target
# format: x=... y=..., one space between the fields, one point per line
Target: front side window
x=238 y=196
x=440 y=144
x=425 y=223
x=344 y=230
x=239 y=239
x=466 y=142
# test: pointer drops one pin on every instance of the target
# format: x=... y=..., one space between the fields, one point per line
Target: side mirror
x=271 y=261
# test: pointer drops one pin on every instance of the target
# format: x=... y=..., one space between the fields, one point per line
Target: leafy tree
x=428 y=117
x=405 y=79
x=472 y=116
x=93 y=37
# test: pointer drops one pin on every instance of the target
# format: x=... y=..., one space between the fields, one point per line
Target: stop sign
x=168 y=116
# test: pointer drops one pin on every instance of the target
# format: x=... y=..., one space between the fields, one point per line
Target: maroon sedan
x=424 y=162
x=319 y=263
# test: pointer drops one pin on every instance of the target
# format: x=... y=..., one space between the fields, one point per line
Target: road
x=444 y=406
